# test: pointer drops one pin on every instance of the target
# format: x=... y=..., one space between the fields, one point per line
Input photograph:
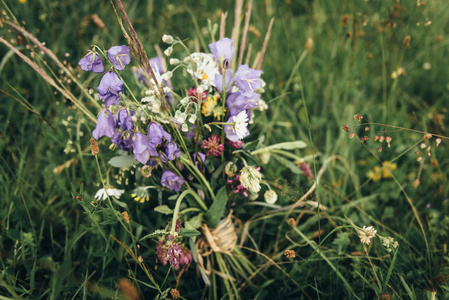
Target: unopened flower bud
x=427 y=136
x=168 y=51
x=415 y=183
x=230 y=169
x=419 y=159
x=174 y=61
x=309 y=44
x=437 y=142
x=367 y=128
x=388 y=139
x=345 y=128
x=429 y=154
x=167 y=75
x=270 y=197
x=192 y=119
x=184 y=127
x=167 y=39
x=381 y=138
x=376 y=138
x=379 y=149
x=351 y=135
x=423 y=145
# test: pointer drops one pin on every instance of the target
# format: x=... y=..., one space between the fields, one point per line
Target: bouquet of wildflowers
x=185 y=137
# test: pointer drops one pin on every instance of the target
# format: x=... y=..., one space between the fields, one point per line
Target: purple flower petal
x=109 y=88
x=125 y=120
x=229 y=81
x=172 y=181
x=236 y=102
x=172 y=151
x=119 y=56
x=142 y=149
x=230 y=132
x=248 y=80
x=223 y=51
x=91 y=62
x=156 y=132
x=105 y=125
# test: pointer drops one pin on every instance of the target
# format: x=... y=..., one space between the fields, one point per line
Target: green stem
x=178 y=205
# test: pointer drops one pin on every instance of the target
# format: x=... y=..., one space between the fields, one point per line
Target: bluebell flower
x=109 y=89
x=223 y=51
x=142 y=149
x=236 y=102
x=229 y=81
x=172 y=151
x=123 y=139
x=119 y=56
x=172 y=181
x=92 y=62
x=125 y=120
x=105 y=125
x=156 y=133
x=248 y=80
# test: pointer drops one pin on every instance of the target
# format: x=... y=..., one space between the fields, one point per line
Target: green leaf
x=188 y=232
x=341 y=241
x=122 y=161
x=194 y=222
x=293 y=167
x=217 y=209
x=282 y=146
x=155 y=233
x=164 y=209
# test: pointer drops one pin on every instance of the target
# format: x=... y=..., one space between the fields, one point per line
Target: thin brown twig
x=140 y=53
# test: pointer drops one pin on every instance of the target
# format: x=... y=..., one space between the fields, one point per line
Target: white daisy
x=102 y=194
x=241 y=124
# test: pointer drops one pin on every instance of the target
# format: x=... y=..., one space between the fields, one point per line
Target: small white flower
x=240 y=124
x=174 y=61
x=206 y=67
x=102 y=194
x=166 y=76
x=270 y=197
x=168 y=51
x=250 y=179
x=167 y=39
x=366 y=234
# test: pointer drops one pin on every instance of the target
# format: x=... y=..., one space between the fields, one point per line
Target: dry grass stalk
x=50 y=54
x=64 y=166
x=248 y=53
x=265 y=44
x=138 y=50
x=238 y=13
x=245 y=31
x=50 y=80
x=223 y=24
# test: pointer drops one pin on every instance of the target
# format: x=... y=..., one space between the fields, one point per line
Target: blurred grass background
x=48 y=250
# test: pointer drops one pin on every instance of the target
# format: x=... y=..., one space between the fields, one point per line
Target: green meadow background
x=385 y=60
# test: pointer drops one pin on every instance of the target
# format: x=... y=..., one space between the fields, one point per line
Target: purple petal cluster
x=156 y=133
x=119 y=56
x=228 y=83
x=172 y=181
x=109 y=89
x=92 y=62
x=125 y=120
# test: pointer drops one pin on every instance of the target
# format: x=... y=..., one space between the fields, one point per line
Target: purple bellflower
x=172 y=181
x=109 y=89
x=123 y=139
x=248 y=80
x=156 y=132
x=119 y=56
x=236 y=102
x=92 y=62
x=229 y=81
x=223 y=51
x=105 y=125
x=125 y=120
x=142 y=148
x=172 y=151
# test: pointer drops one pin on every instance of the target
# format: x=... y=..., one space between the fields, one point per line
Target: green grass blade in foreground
x=316 y=248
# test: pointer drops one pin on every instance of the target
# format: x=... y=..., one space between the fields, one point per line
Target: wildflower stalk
x=178 y=204
x=200 y=175
x=403 y=128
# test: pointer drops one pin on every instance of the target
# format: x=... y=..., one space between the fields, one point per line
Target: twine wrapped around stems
x=221 y=239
